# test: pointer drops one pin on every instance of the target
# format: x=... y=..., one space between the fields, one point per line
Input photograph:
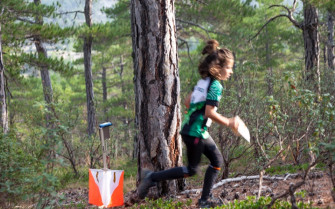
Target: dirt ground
x=317 y=189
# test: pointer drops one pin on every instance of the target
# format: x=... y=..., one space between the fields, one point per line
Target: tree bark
x=104 y=92
x=330 y=47
x=88 y=70
x=311 y=43
x=46 y=81
x=3 y=104
x=268 y=65
x=45 y=77
x=157 y=88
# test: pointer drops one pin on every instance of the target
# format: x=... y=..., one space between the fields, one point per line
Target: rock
x=236 y=185
x=236 y=195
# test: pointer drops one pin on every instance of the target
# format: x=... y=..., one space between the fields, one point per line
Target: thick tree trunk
x=311 y=43
x=330 y=45
x=88 y=71
x=156 y=87
x=3 y=104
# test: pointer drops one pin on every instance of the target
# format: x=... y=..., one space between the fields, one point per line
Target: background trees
x=290 y=119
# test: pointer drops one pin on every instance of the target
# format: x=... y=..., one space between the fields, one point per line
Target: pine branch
x=194 y=24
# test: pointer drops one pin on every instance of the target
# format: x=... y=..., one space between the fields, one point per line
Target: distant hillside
x=78 y=5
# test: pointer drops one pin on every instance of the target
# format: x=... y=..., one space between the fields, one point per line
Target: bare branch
x=289 y=15
x=188 y=49
x=270 y=20
x=70 y=12
x=294 y=5
x=277 y=5
x=26 y=20
x=293 y=187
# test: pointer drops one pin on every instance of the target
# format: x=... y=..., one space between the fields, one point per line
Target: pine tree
x=87 y=48
x=156 y=87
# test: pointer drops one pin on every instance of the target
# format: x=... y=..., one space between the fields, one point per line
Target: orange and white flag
x=105 y=187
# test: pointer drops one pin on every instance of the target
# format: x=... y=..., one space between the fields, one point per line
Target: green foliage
x=164 y=204
x=262 y=202
x=249 y=203
x=283 y=169
x=22 y=173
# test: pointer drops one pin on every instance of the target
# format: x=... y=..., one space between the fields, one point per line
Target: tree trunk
x=268 y=65
x=330 y=47
x=45 y=77
x=311 y=43
x=3 y=104
x=104 y=92
x=88 y=70
x=46 y=82
x=157 y=87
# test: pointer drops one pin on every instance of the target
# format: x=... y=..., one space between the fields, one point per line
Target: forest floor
x=317 y=190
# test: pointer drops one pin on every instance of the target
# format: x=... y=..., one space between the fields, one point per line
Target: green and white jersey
x=207 y=92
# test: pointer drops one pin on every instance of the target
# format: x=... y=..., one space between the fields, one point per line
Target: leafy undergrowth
x=249 y=203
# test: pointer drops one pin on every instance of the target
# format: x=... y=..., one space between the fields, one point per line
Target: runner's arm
x=220 y=119
x=187 y=100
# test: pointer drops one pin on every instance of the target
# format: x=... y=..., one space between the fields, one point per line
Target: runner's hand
x=233 y=124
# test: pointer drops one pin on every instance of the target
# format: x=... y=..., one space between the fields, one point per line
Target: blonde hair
x=216 y=58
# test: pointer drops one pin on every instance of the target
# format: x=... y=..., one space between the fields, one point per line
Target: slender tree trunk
x=311 y=43
x=156 y=87
x=88 y=70
x=3 y=104
x=125 y=105
x=45 y=77
x=48 y=96
x=268 y=65
x=104 y=92
x=46 y=82
x=330 y=47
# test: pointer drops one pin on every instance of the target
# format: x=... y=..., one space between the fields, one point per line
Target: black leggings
x=195 y=148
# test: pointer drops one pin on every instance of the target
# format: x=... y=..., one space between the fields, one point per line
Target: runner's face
x=227 y=70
